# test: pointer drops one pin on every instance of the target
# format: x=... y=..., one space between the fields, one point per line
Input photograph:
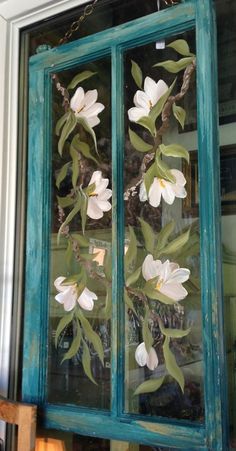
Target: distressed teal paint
x=118 y=425
x=118 y=231
x=157 y=25
x=211 y=260
x=104 y=426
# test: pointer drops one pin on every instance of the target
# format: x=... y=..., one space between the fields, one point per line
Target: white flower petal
x=151 y=268
x=143 y=193
x=168 y=193
x=103 y=204
x=179 y=177
x=154 y=90
x=67 y=298
x=93 y=121
x=101 y=186
x=155 y=192
x=77 y=101
x=93 y=110
x=58 y=282
x=141 y=100
x=141 y=354
x=136 y=113
x=90 y=98
x=105 y=195
x=152 y=359
x=86 y=299
x=174 y=291
x=179 y=275
x=96 y=177
x=93 y=210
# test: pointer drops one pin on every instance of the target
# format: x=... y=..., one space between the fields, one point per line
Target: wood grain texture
x=24 y=416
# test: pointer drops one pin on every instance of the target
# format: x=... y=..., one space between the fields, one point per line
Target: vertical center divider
x=117 y=233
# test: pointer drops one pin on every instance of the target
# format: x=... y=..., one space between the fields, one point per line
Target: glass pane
x=80 y=273
x=163 y=343
x=106 y=14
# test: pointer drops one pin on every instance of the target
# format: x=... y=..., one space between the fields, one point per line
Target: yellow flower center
x=162 y=183
x=150 y=104
x=159 y=284
x=93 y=194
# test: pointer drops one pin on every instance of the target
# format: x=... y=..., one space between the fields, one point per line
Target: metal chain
x=88 y=10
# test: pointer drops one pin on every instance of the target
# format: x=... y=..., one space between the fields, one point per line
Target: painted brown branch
x=172 y=99
x=63 y=91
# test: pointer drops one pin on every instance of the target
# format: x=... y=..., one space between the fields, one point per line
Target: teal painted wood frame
x=212 y=435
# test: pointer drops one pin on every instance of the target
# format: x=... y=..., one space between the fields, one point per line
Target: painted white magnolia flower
x=163 y=188
x=143 y=358
x=68 y=295
x=98 y=199
x=145 y=100
x=170 y=277
x=85 y=105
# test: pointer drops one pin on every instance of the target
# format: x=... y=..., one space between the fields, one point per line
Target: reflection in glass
x=163 y=347
x=80 y=273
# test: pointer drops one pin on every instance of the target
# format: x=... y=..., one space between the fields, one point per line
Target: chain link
x=88 y=10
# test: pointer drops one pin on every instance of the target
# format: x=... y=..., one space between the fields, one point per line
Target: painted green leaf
x=66 y=130
x=75 y=166
x=88 y=129
x=180 y=114
x=62 y=174
x=149 y=176
x=153 y=293
x=148 y=123
x=90 y=189
x=68 y=254
x=137 y=74
x=149 y=236
x=92 y=336
x=180 y=46
x=173 y=333
x=70 y=216
x=80 y=77
x=84 y=148
x=175 y=150
x=131 y=254
x=175 y=66
x=75 y=345
x=163 y=170
x=147 y=335
x=164 y=234
x=83 y=210
x=171 y=364
x=129 y=302
x=149 y=386
x=60 y=123
x=64 y=321
x=177 y=243
x=133 y=277
x=86 y=362
x=138 y=143
x=66 y=201
x=70 y=280
x=81 y=239
x=108 y=265
x=157 y=109
x=107 y=310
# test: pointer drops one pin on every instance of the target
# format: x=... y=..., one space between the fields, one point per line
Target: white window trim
x=10 y=28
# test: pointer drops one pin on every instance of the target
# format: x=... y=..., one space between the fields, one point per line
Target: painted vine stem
x=156 y=284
